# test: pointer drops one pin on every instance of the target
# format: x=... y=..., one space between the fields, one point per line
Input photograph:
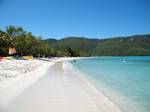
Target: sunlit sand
x=61 y=89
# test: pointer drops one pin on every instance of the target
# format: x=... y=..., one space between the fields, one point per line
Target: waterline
x=125 y=80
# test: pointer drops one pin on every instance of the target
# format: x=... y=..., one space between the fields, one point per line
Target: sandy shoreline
x=99 y=101
x=20 y=74
x=63 y=89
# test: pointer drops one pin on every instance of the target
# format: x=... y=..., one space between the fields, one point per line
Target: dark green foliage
x=15 y=31
x=5 y=43
x=24 y=43
x=134 y=45
x=49 y=41
x=28 y=44
x=81 y=46
x=122 y=46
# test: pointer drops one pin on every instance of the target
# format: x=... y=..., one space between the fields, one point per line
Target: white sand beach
x=17 y=75
x=41 y=86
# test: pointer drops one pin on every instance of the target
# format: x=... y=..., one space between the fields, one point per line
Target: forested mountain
x=25 y=43
x=49 y=41
x=132 y=45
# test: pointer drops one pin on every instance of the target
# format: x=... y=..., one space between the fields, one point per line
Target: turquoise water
x=124 y=80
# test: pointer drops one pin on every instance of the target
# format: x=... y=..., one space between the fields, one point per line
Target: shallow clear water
x=125 y=80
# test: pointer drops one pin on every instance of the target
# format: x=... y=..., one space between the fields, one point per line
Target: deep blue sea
x=124 y=80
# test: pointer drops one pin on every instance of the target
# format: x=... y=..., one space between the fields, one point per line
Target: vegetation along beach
x=74 y=56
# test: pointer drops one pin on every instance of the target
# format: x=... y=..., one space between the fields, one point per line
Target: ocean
x=124 y=80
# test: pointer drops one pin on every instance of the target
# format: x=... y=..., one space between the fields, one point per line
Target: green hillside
x=49 y=41
x=25 y=43
x=82 y=44
x=132 y=45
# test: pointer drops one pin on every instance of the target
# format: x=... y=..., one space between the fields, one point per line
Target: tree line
x=136 y=45
x=25 y=43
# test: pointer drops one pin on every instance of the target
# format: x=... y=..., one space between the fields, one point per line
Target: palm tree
x=5 y=43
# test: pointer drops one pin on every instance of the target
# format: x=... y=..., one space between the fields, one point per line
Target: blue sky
x=86 y=18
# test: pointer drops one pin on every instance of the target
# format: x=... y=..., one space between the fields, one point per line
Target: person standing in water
x=74 y=61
